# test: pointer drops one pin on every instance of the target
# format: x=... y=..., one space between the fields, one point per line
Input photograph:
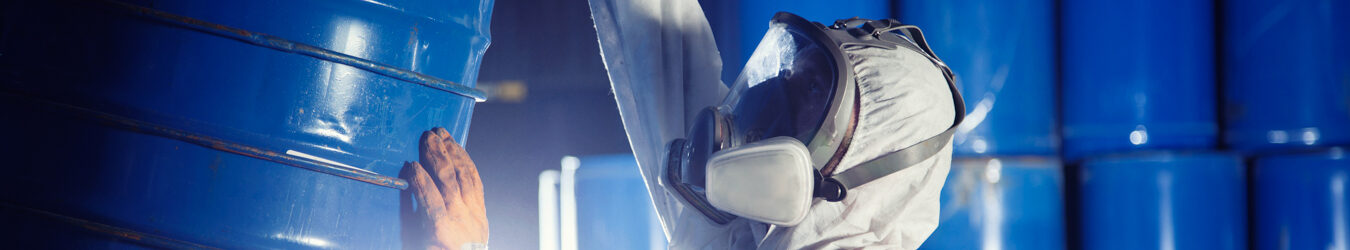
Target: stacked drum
x=1140 y=130
x=1161 y=110
x=1145 y=108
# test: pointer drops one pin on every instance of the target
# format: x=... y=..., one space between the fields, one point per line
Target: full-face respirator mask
x=772 y=146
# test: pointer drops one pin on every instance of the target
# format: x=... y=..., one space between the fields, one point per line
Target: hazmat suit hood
x=664 y=67
x=903 y=99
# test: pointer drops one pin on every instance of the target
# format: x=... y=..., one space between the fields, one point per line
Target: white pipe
x=567 y=194
x=548 y=210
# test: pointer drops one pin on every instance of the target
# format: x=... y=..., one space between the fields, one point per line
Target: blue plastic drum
x=1003 y=54
x=1001 y=203
x=1286 y=73
x=232 y=124
x=1162 y=200
x=1299 y=200
x=613 y=208
x=1137 y=75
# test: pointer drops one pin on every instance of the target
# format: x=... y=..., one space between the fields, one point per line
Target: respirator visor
x=784 y=116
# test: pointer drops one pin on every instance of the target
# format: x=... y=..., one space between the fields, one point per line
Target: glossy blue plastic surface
x=1299 y=200
x=1286 y=73
x=1001 y=203
x=1137 y=75
x=75 y=72
x=752 y=20
x=613 y=208
x=1003 y=54
x=1163 y=200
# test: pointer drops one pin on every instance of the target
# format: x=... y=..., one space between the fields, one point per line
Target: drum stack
x=1141 y=130
x=1186 y=133
x=1160 y=109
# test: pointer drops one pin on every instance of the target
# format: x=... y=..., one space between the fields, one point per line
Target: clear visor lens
x=785 y=88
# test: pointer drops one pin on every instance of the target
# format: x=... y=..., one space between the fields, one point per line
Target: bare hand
x=448 y=210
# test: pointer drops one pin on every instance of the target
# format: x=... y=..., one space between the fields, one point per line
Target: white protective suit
x=664 y=68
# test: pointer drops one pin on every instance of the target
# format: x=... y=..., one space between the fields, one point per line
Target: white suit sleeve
x=664 y=67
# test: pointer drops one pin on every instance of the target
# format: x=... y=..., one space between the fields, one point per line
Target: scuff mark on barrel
x=289 y=46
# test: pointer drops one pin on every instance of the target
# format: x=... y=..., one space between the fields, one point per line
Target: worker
x=834 y=136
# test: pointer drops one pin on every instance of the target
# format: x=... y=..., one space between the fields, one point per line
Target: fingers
x=429 y=200
x=459 y=159
x=449 y=162
x=466 y=170
x=446 y=167
x=431 y=149
x=431 y=205
x=435 y=160
x=468 y=181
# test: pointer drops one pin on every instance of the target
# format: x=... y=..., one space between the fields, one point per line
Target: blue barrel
x=613 y=208
x=1286 y=73
x=752 y=20
x=1299 y=200
x=1137 y=75
x=233 y=124
x=1003 y=54
x=1001 y=203
x=1163 y=200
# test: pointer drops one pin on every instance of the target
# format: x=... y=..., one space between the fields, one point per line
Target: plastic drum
x=1300 y=200
x=1001 y=203
x=1137 y=75
x=1286 y=73
x=231 y=124
x=1162 y=200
